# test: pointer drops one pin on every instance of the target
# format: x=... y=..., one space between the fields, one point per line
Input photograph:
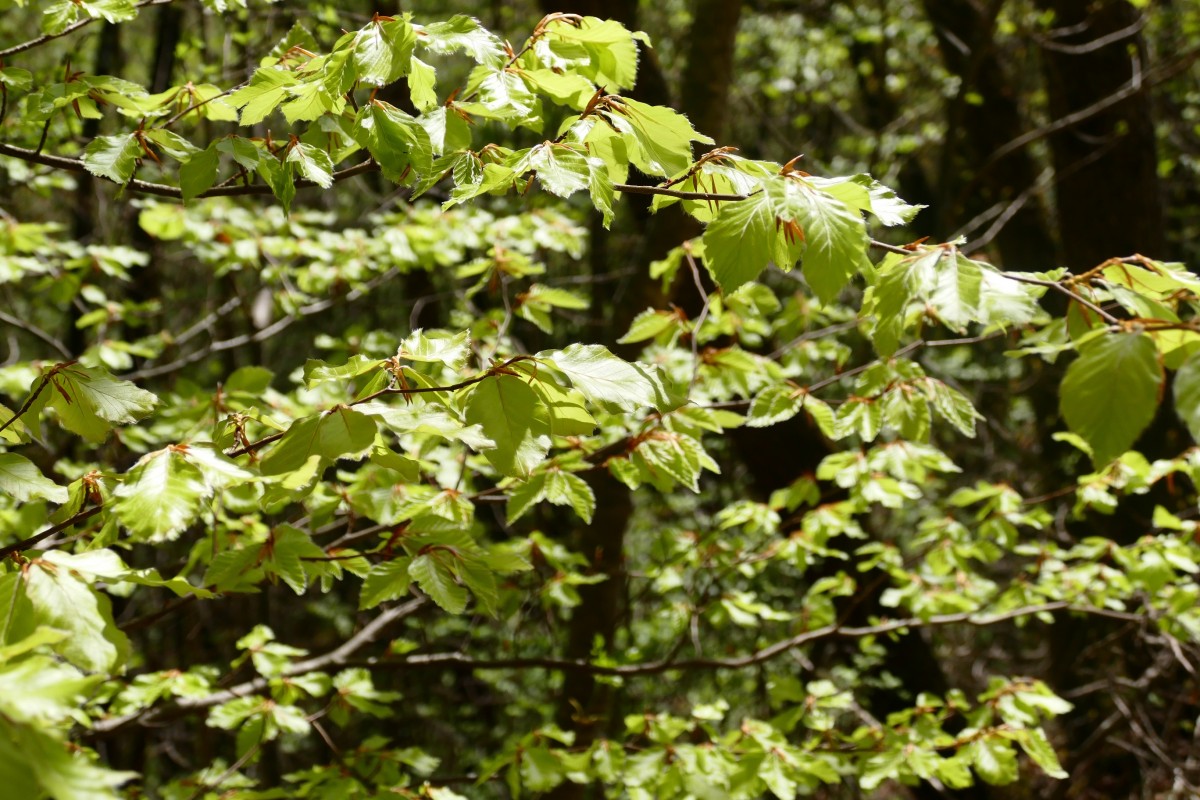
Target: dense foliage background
x=493 y=400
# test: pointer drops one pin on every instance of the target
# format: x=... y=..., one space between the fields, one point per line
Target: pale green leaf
x=89 y=401
x=113 y=157
x=603 y=377
x=23 y=481
x=1110 y=393
x=508 y=411
x=437 y=581
x=341 y=432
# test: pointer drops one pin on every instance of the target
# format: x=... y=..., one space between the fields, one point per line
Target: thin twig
x=334 y=658
x=30 y=328
x=25 y=544
x=28 y=402
x=74 y=26
x=757 y=657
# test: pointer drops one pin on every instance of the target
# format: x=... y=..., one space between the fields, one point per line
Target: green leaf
x=113 y=157
x=288 y=549
x=834 y=236
x=89 y=401
x=160 y=496
x=465 y=34
x=316 y=372
x=1110 y=393
x=396 y=140
x=313 y=163
x=568 y=417
x=437 y=581
x=774 y=404
x=268 y=88
x=994 y=759
x=562 y=169
x=567 y=489
x=524 y=496
x=739 y=242
x=383 y=51
x=437 y=347
x=664 y=136
x=16 y=79
x=386 y=581
x=569 y=89
x=602 y=377
x=279 y=177
x=649 y=324
x=172 y=144
x=1187 y=394
x=36 y=765
x=199 y=172
x=610 y=54
x=508 y=411
x=21 y=480
x=340 y=432
x=1038 y=748
x=60 y=599
x=422 y=80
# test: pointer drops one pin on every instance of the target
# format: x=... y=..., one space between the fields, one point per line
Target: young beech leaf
x=89 y=401
x=61 y=599
x=50 y=767
x=509 y=412
x=664 y=136
x=21 y=480
x=313 y=163
x=1110 y=393
x=386 y=581
x=611 y=54
x=340 y=432
x=462 y=33
x=383 y=51
x=112 y=157
x=434 y=577
x=602 y=377
x=739 y=242
x=524 y=496
x=1187 y=394
x=160 y=496
x=199 y=172
x=268 y=88
x=835 y=237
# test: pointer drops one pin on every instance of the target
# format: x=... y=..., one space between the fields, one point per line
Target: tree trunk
x=982 y=117
x=1108 y=195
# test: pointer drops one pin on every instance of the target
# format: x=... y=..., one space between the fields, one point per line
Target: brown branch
x=25 y=544
x=454 y=387
x=42 y=384
x=165 y=190
x=339 y=656
x=49 y=37
x=757 y=657
x=1135 y=85
x=34 y=330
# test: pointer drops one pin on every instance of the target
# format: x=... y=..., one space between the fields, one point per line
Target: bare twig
x=30 y=328
x=25 y=544
x=337 y=657
x=49 y=37
x=757 y=657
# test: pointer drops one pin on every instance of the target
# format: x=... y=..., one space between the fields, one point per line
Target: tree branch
x=752 y=659
x=166 y=190
x=49 y=37
x=339 y=656
x=25 y=544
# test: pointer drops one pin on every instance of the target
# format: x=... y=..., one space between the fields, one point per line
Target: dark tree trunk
x=1108 y=194
x=977 y=129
